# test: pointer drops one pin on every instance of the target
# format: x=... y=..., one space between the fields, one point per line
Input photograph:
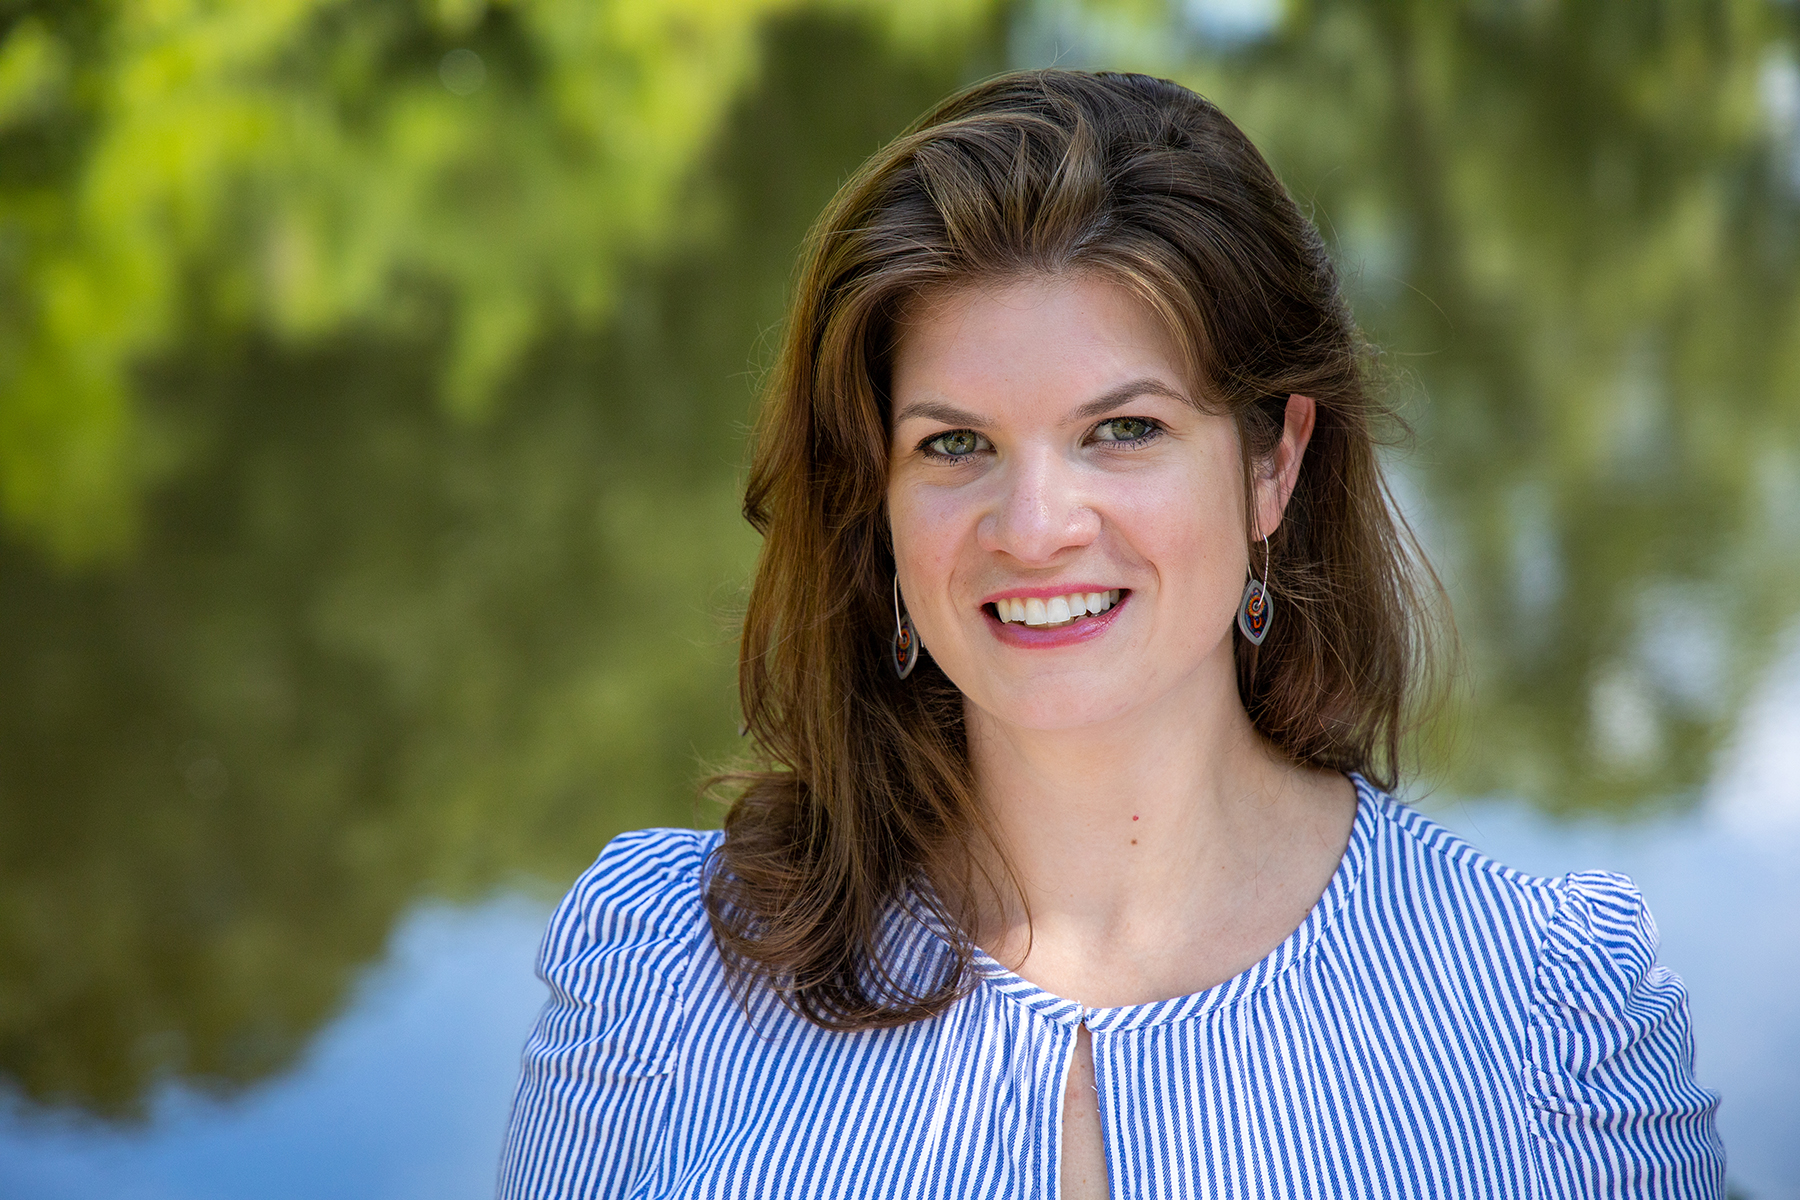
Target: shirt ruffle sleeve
x=1611 y=1071
x=592 y=1103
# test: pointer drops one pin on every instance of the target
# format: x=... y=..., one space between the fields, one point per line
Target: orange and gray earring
x=1253 y=609
x=906 y=641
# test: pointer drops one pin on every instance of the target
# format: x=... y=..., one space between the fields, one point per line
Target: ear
x=1277 y=475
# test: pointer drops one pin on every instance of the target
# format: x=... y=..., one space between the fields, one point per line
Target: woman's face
x=1045 y=448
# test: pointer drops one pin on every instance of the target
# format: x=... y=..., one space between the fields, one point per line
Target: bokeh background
x=374 y=377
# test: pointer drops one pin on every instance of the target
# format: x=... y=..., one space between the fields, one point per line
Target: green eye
x=956 y=444
x=1123 y=429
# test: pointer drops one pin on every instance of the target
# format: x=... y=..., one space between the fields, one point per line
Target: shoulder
x=1599 y=990
x=1413 y=860
x=644 y=887
x=1611 y=1075
x=1600 y=944
x=598 y=1071
x=1605 y=1045
x=618 y=947
x=1591 y=924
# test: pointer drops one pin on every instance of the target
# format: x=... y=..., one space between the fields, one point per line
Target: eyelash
x=1155 y=430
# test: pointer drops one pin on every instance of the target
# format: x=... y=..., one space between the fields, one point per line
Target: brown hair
x=864 y=789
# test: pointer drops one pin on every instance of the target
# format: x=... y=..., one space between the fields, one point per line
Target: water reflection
x=1573 y=231
x=408 y=1088
x=364 y=652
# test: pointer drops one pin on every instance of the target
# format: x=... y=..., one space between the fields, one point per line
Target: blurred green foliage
x=361 y=650
x=1575 y=230
x=302 y=167
x=373 y=378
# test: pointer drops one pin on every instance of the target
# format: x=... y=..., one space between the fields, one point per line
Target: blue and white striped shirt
x=1439 y=1025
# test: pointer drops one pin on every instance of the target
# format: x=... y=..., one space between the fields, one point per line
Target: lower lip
x=1036 y=637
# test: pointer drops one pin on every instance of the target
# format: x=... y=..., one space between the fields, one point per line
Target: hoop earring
x=905 y=652
x=1253 y=610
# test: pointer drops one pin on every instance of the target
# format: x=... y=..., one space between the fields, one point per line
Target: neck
x=1151 y=853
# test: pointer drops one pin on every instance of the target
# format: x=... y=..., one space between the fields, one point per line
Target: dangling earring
x=1253 y=609
x=905 y=654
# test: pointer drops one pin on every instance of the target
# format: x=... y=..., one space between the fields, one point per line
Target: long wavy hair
x=861 y=788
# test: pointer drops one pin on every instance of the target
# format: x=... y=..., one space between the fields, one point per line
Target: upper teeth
x=1057 y=610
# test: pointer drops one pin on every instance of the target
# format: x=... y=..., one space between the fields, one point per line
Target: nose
x=1039 y=511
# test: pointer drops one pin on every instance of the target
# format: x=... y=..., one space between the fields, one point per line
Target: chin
x=1062 y=705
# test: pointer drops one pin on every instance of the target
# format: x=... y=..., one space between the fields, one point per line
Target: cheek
x=1192 y=533
x=923 y=515
x=930 y=525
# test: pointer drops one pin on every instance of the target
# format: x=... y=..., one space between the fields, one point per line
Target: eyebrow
x=1118 y=397
x=1125 y=393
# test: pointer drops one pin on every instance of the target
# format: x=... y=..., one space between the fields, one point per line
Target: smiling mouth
x=1053 y=612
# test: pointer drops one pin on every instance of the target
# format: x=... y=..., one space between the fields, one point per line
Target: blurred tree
x=361 y=653
x=302 y=167
x=1575 y=230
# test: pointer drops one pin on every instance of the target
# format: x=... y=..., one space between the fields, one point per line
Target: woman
x=1078 y=654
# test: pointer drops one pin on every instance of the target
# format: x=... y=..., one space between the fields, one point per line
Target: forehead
x=1040 y=338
